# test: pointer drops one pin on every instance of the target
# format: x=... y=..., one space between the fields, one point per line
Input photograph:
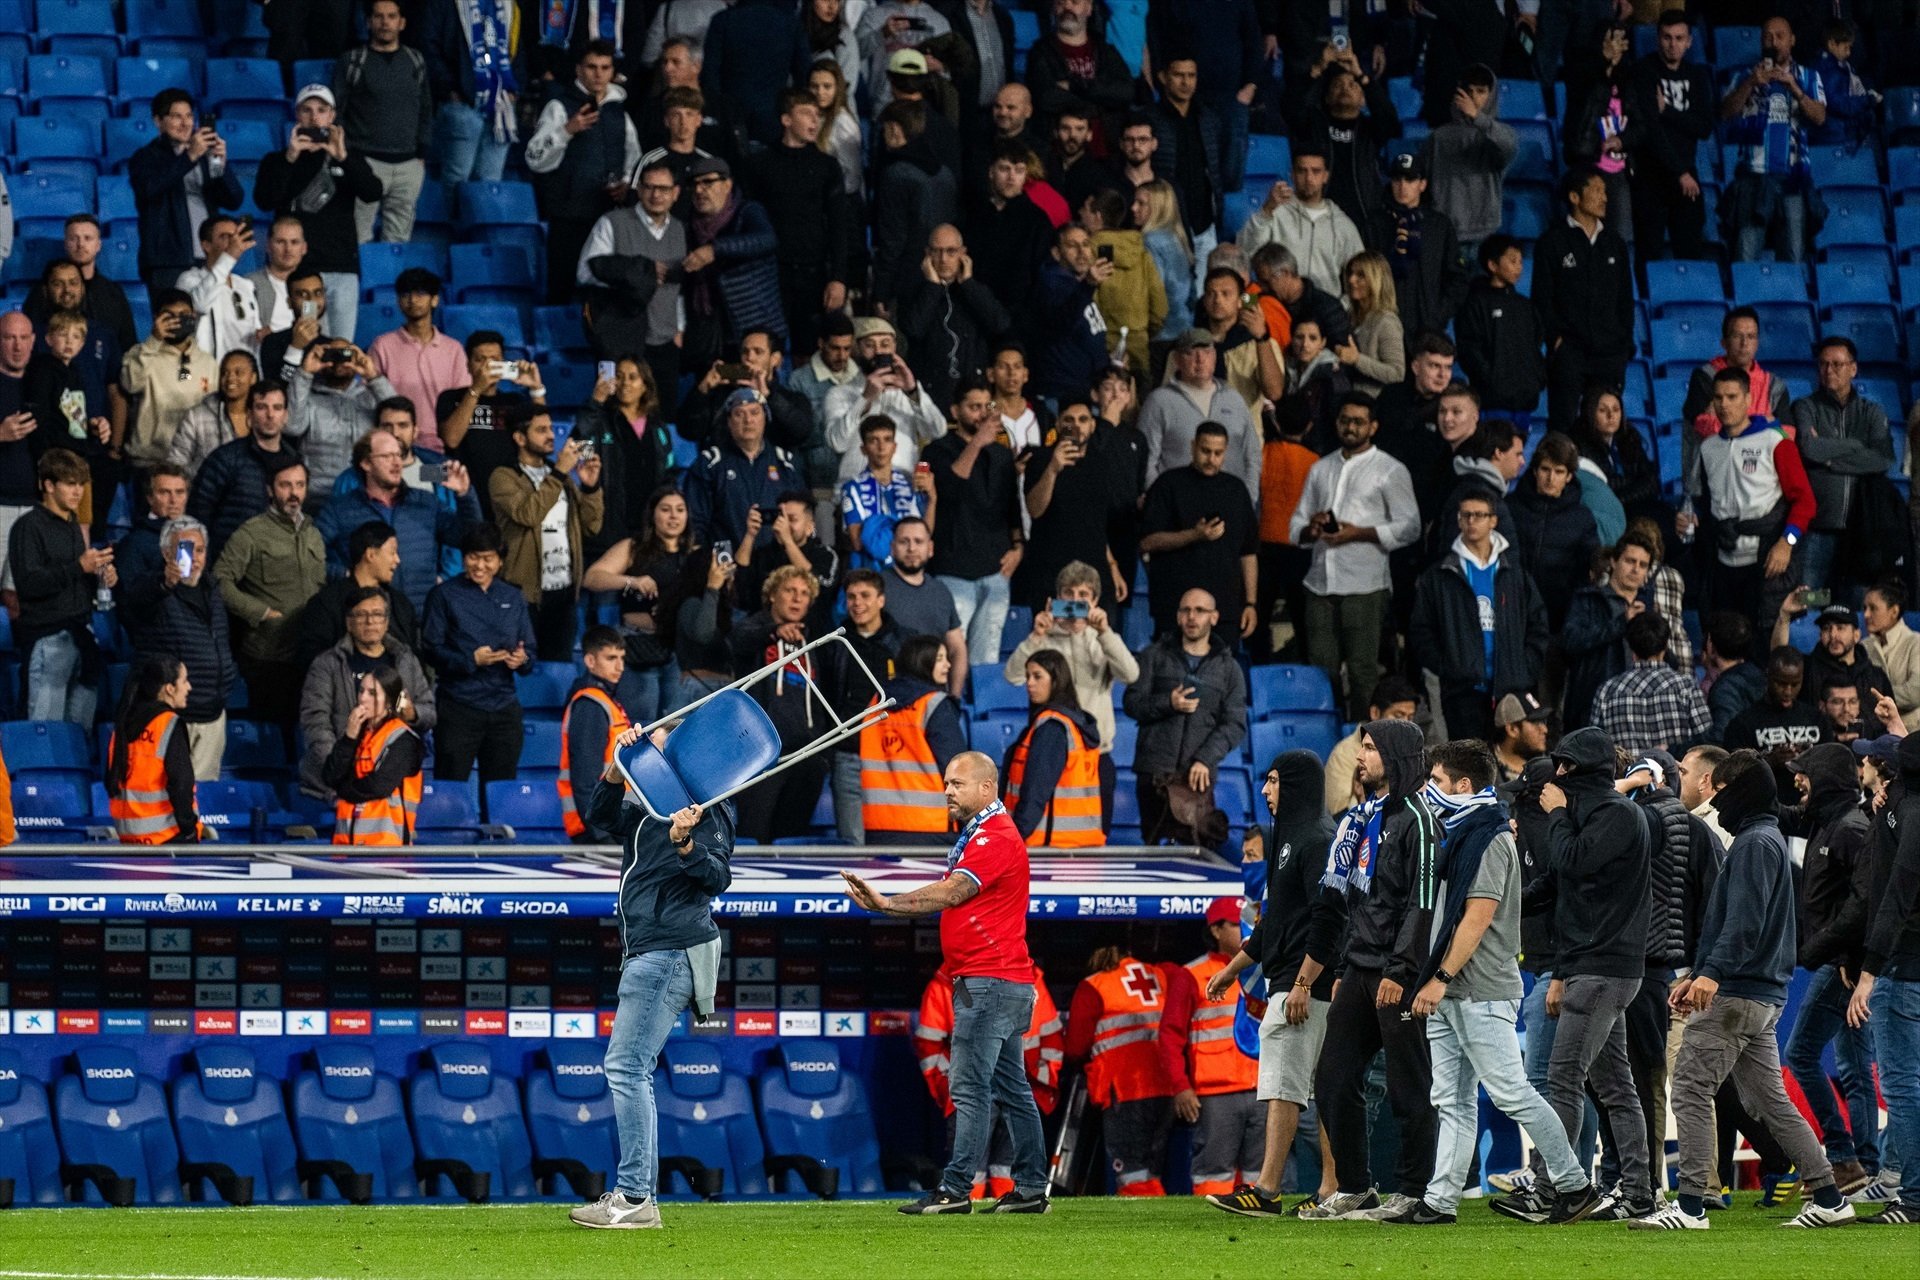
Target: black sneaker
x=1897 y=1214
x=1418 y=1214
x=1014 y=1202
x=938 y=1200
x=1616 y=1209
x=1572 y=1206
x=1530 y=1205
x=1249 y=1202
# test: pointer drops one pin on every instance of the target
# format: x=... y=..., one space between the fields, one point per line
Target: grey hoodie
x=1467 y=161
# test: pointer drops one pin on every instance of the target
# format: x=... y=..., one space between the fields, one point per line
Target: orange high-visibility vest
x=900 y=783
x=384 y=823
x=617 y=724
x=1042 y=1044
x=1072 y=817
x=142 y=810
x=1215 y=1062
x=1124 y=1063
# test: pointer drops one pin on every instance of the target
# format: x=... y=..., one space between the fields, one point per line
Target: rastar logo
x=109 y=1073
x=579 y=1069
x=464 y=1069
x=226 y=1073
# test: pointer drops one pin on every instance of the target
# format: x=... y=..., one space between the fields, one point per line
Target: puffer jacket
x=1556 y=539
x=1133 y=298
x=746 y=275
x=1671 y=833
x=190 y=622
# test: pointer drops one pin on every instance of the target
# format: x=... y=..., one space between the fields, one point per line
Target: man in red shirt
x=983 y=939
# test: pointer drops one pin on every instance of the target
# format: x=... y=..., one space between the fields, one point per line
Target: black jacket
x=947 y=328
x=1668 y=147
x=805 y=196
x=158 y=175
x=1556 y=538
x=1600 y=854
x=1500 y=340
x=1633 y=476
x=1835 y=877
x=332 y=241
x=1109 y=92
x=699 y=420
x=666 y=900
x=1462 y=33
x=1391 y=922
x=1584 y=289
x=1445 y=635
x=912 y=194
x=190 y=622
x=231 y=487
x=1316 y=304
x=1440 y=278
x=1010 y=246
x=1299 y=918
x=1593 y=637
x=1352 y=147
x=1893 y=932
x=1201 y=198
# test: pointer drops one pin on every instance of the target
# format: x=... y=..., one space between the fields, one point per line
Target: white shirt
x=916 y=422
x=1372 y=490
x=229 y=311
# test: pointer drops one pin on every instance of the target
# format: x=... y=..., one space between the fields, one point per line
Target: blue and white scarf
x=489 y=37
x=1350 y=860
x=604 y=21
x=1453 y=810
x=966 y=832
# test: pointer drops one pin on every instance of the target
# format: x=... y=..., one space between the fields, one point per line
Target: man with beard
x=1521 y=722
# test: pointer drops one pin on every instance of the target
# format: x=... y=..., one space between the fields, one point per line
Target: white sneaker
x=1511 y=1184
x=1814 y=1216
x=1878 y=1191
x=613 y=1211
x=1341 y=1205
x=1669 y=1217
x=1389 y=1205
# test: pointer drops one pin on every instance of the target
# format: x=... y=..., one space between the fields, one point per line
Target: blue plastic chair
x=124 y=137
x=483 y=273
x=467 y=1122
x=352 y=1127
x=1843 y=167
x=1521 y=99
x=73 y=18
x=60 y=76
x=570 y=1117
x=1734 y=47
x=115 y=1119
x=709 y=1139
x=382 y=262
x=247 y=141
x=1847 y=283
x=510 y=322
x=1755 y=282
x=531 y=808
x=29 y=1149
x=1280 y=687
x=1525 y=213
x=1679 y=345
x=234 y=1137
x=1268 y=156
x=245 y=80
x=55 y=138
x=136 y=79
x=718 y=750
x=484 y=204
x=33 y=745
x=1678 y=280
x=810 y=1107
x=173 y=18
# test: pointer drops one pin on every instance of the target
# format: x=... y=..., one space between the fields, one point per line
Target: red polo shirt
x=986 y=936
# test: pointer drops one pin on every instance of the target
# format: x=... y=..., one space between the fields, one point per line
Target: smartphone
x=183 y=558
x=433 y=473
x=502 y=370
x=923 y=468
x=1247 y=300
x=210 y=120
x=733 y=371
x=1331 y=526
x=723 y=553
x=336 y=355
x=1341 y=43
x=1818 y=599
x=1106 y=252
x=603 y=372
x=1067 y=610
x=883 y=361
x=585 y=449
x=309 y=310
x=313 y=133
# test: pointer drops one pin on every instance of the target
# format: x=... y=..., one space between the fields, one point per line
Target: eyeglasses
x=1476 y=515
x=708 y=180
x=359 y=616
x=660 y=188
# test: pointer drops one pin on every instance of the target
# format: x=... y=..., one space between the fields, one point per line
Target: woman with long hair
x=1376 y=354
x=149 y=759
x=831 y=38
x=1614 y=448
x=643 y=567
x=624 y=422
x=839 y=126
x=221 y=417
x=374 y=770
x=903 y=758
x=1156 y=211
x=1052 y=774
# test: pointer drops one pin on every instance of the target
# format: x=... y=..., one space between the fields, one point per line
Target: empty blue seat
x=992 y=692
x=254 y=746
x=1315 y=731
x=1233 y=792
x=1284 y=686
x=1788 y=330
x=73 y=17
x=449 y=812
x=44 y=744
x=233 y=800
x=1682 y=344
x=490 y=273
x=460 y=322
x=1268 y=156
x=706 y=1123
x=543 y=688
x=1770 y=282
x=1843 y=167
x=375 y=318
x=541 y=750
x=531 y=808
x=103 y=47
x=113 y=1122
x=1533 y=163
x=1521 y=99
x=1906 y=233
x=124 y=137
x=818 y=1124
x=1735 y=47
x=137 y=79
x=308 y=71
x=234 y=1136
x=1683 y=281
x=172 y=18
x=59 y=76
x=1525 y=213
x=352 y=1128
x=558 y=330
x=484 y=204
x=468 y=1126
x=55 y=138
x=245 y=80
x=247 y=141
x=1876 y=337
x=1841 y=283
x=570 y=1116
x=1902 y=107
x=29 y=1149
x=382 y=262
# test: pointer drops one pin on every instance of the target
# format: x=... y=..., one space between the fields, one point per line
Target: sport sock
x=1828 y=1197
x=1691 y=1205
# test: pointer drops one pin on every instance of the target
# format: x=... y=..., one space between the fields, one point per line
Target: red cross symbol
x=1141 y=983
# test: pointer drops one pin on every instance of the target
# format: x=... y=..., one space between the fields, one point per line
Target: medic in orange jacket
x=933 y=1032
x=1196 y=1037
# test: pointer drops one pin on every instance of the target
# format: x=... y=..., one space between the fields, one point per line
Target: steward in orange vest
x=592 y=722
x=1045 y=1052
x=903 y=761
x=1053 y=779
x=150 y=761
x=1113 y=1026
x=1213 y=1080
x=374 y=769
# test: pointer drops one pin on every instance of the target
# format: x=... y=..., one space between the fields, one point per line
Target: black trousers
x=555 y=620
x=1282 y=576
x=1571 y=370
x=1662 y=214
x=1469 y=712
x=783 y=804
x=566 y=237
x=1647 y=1024
x=467 y=735
x=1356 y=1030
x=273 y=692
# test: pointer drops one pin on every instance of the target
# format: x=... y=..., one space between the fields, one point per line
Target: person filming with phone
x=178 y=179
x=229 y=310
x=547 y=506
x=331 y=402
x=1201 y=531
x=317 y=179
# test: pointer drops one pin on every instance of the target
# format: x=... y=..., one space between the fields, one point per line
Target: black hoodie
x=1392 y=919
x=1300 y=918
x=1893 y=935
x=1834 y=876
x=1599 y=852
x=1537 y=885
x=1500 y=343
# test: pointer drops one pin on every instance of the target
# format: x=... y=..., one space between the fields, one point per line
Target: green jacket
x=269 y=565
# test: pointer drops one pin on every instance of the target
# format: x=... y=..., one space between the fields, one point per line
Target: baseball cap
x=316 y=90
x=1193 y=340
x=907 y=62
x=1837 y=615
x=740 y=396
x=1223 y=909
x=1884 y=749
x=709 y=165
x=1516 y=707
x=1406 y=165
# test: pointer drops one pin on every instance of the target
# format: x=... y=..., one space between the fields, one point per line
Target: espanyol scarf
x=1453 y=810
x=1350 y=860
x=966 y=832
x=489 y=34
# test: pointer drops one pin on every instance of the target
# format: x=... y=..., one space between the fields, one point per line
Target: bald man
x=19 y=489
x=948 y=317
x=985 y=951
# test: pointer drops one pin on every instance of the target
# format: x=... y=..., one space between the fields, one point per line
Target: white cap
x=319 y=91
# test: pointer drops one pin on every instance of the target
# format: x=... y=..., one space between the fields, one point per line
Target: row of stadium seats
x=456 y=1128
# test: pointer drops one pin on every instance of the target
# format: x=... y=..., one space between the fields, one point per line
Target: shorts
x=1289 y=1054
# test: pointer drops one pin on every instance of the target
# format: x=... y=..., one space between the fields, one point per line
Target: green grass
x=1109 y=1239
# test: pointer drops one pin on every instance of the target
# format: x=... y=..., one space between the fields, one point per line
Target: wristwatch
x=1442 y=977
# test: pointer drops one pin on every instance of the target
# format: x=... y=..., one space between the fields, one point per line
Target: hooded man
x=1833 y=908
x=1736 y=992
x=1296 y=946
x=1383 y=862
x=1598 y=851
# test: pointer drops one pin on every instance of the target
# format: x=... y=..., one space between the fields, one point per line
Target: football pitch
x=1102 y=1238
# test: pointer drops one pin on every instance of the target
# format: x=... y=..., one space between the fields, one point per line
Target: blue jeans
x=848 y=797
x=1816 y=558
x=1792 y=218
x=989 y=1071
x=1232 y=160
x=55 y=690
x=982 y=606
x=654 y=988
x=1895 y=1005
x=693 y=688
x=343 y=303
x=1823 y=1018
x=656 y=690
x=1539 y=1054
x=464 y=144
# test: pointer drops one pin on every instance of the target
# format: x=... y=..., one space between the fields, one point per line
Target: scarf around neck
x=704 y=229
x=1453 y=810
x=1350 y=860
x=966 y=832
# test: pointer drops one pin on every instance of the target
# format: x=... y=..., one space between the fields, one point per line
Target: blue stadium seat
x=1405 y=96
x=114 y=1120
x=1854 y=217
x=1677 y=280
x=1876 y=336
x=1281 y=686
x=124 y=137
x=29 y=745
x=254 y=748
x=1891 y=395
x=1525 y=213
x=1026 y=28
x=59 y=76
x=483 y=273
x=487 y=204
x=449 y=812
x=1521 y=99
x=545 y=687
x=1533 y=164
x=997 y=732
x=434 y=208
x=54 y=806
x=55 y=138
x=1268 y=156
x=194 y=51
x=1734 y=47
x=101 y=47
x=1679 y=345
x=247 y=141
x=233 y=80
x=542 y=747
x=137 y=79
x=1770 y=282
x=1315 y=731
x=468 y=1126
x=1843 y=167
x=1233 y=795
x=353 y=1135
x=1902 y=124
x=120 y=260
x=1906 y=233
x=29 y=1151
x=73 y=18
x=508 y=322
x=706 y=1124
x=558 y=331
x=1903 y=171
x=570 y=1116
x=234 y=1138
x=1788 y=330
x=992 y=692
x=382 y=262
x=530 y=806
x=570 y=383
x=1637 y=391
x=1842 y=283
x=230 y=802
x=308 y=71
x=1126 y=737
x=818 y=1124
x=171 y=18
